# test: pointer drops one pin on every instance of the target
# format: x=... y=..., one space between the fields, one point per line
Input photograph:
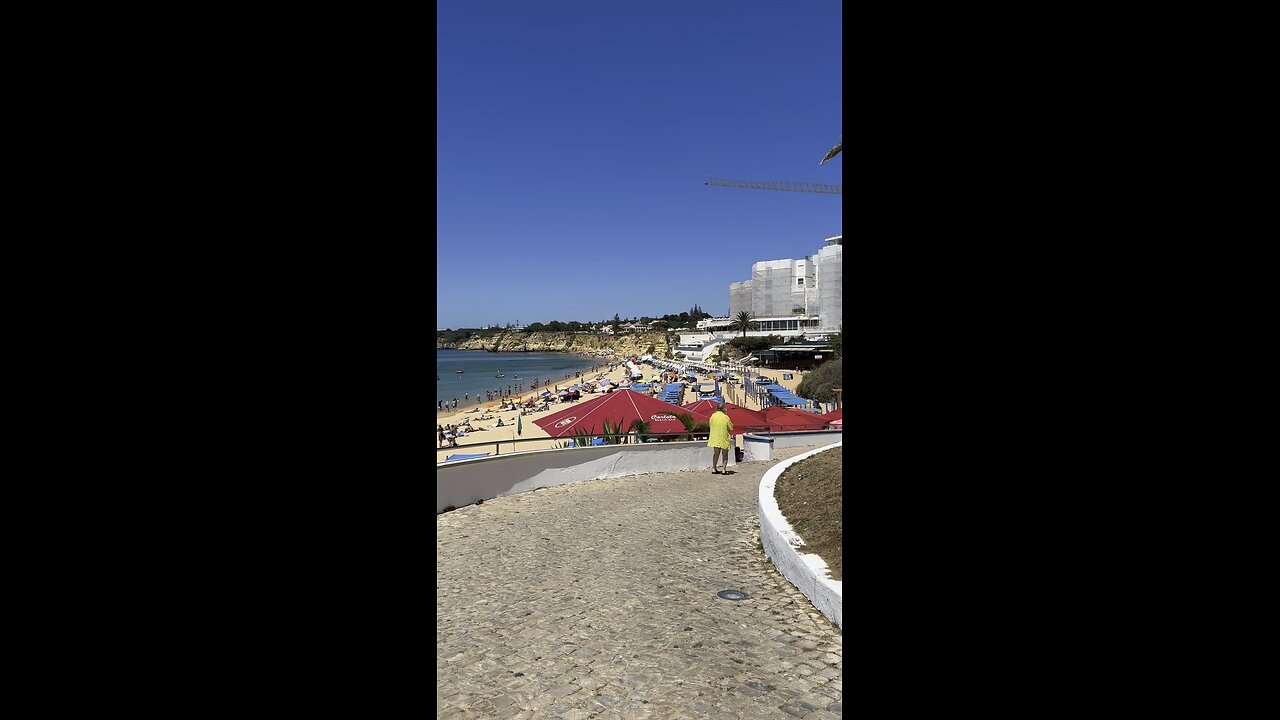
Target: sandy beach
x=499 y=440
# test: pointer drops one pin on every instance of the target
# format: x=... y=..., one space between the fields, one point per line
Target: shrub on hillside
x=820 y=383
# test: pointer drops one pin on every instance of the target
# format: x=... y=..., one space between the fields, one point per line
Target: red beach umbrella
x=832 y=416
x=743 y=418
x=621 y=406
x=785 y=420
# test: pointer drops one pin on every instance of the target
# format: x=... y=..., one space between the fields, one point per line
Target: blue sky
x=573 y=140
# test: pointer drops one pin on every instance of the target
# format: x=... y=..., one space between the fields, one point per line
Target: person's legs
x=715 y=459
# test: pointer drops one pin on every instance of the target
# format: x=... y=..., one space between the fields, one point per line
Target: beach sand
x=499 y=440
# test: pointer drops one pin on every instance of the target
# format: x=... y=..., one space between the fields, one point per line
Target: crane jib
x=780 y=186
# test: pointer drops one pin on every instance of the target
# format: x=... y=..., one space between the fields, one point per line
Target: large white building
x=785 y=297
x=794 y=295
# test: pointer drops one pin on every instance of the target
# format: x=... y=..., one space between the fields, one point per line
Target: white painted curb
x=808 y=572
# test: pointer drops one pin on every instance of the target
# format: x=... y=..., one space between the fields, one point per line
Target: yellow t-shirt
x=720 y=427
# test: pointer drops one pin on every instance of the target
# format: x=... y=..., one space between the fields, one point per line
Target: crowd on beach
x=478 y=425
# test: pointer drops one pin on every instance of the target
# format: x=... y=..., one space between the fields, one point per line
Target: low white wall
x=756 y=447
x=808 y=572
x=463 y=482
x=802 y=437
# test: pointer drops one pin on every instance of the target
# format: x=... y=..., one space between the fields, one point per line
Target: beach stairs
x=709 y=350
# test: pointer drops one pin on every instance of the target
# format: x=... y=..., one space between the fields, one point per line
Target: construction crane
x=783 y=186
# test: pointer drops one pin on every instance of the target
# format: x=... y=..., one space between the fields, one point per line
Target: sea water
x=479 y=368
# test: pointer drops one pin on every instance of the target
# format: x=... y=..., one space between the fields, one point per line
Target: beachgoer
x=719 y=442
x=440 y=435
x=499 y=422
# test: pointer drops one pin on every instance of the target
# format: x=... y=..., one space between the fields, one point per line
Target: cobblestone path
x=598 y=600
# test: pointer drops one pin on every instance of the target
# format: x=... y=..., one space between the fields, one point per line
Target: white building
x=794 y=295
x=785 y=297
x=714 y=324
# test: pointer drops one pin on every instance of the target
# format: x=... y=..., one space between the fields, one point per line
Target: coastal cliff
x=654 y=343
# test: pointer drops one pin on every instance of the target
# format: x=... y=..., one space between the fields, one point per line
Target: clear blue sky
x=574 y=138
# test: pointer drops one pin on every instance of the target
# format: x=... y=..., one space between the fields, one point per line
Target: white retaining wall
x=806 y=571
x=756 y=447
x=762 y=445
x=463 y=482
x=801 y=437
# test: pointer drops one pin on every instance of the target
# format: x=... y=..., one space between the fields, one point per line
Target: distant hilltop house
x=715 y=324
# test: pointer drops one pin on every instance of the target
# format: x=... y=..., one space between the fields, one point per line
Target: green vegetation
x=581 y=438
x=639 y=426
x=613 y=433
x=686 y=420
x=693 y=428
x=820 y=383
x=743 y=322
x=755 y=344
x=461 y=334
x=684 y=319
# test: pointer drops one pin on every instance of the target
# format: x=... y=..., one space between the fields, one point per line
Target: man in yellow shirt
x=719 y=441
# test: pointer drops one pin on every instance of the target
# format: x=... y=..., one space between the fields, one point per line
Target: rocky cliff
x=654 y=343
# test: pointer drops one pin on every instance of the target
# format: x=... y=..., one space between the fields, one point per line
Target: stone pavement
x=598 y=600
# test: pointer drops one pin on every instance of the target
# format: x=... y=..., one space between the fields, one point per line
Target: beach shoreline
x=519 y=390
x=592 y=361
x=500 y=440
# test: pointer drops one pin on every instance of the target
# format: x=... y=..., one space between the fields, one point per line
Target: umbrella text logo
x=660 y=417
x=565 y=421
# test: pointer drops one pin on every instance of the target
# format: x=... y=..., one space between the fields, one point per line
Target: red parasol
x=785 y=420
x=743 y=419
x=621 y=406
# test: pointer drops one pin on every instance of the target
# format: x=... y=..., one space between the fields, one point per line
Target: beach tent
x=622 y=406
x=786 y=420
x=744 y=419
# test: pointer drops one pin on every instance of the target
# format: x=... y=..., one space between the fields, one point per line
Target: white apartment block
x=789 y=297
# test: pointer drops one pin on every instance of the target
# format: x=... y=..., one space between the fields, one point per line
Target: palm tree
x=742 y=322
x=640 y=427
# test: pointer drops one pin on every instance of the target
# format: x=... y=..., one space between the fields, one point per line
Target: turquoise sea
x=519 y=369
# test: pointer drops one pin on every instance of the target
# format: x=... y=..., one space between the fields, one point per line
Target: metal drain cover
x=732 y=595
